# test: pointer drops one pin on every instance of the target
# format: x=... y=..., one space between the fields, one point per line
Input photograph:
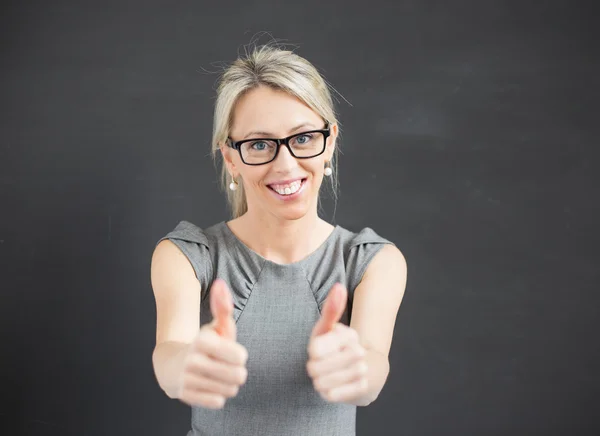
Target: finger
x=200 y=383
x=344 y=359
x=332 y=309
x=349 y=391
x=221 y=349
x=332 y=342
x=221 y=371
x=221 y=307
x=204 y=399
x=341 y=377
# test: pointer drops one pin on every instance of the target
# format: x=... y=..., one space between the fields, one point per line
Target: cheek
x=318 y=171
x=317 y=180
x=253 y=176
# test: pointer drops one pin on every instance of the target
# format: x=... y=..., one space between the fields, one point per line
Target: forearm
x=377 y=372
x=167 y=360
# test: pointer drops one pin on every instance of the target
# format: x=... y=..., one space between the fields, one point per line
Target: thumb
x=221 y=307
x=332 y=310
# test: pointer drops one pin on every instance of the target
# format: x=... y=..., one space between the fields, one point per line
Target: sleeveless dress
x=275 y=309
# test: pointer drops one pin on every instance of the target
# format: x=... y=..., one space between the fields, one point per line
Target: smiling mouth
x=289 y=191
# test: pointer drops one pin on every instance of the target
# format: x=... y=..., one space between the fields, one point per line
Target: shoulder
x=378 y=261
x=388 y=259
x=363 y=250
x=384 y=253
x=196 y=244
x=188 y=232
x=365 y=236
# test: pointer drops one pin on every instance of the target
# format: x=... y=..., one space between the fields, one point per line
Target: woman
x=296 y=315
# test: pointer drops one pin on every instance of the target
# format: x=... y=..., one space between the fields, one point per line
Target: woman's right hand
x=215 y=365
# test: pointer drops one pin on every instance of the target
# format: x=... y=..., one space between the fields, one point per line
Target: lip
x=285 y=182
x=290 y=197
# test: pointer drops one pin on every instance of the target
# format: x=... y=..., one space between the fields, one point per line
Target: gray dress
x=275 y=309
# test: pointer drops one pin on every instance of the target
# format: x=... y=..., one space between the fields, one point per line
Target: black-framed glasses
x=303 y=145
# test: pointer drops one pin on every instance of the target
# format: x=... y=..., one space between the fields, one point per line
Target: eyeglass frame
x=236 y=145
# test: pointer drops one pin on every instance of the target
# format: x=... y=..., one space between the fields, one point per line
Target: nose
x=284 y=159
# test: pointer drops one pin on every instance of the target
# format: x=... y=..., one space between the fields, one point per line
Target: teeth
x=291 y=189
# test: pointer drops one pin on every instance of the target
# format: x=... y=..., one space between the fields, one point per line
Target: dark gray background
x=469 y=141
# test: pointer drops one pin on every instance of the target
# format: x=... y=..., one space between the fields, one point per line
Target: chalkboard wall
x=469 y=138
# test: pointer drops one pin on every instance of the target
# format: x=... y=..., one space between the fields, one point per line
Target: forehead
x=270 y=110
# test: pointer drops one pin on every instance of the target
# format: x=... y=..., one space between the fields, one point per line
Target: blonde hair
x=279 y=69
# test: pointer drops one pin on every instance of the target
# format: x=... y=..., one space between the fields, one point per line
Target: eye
x=259 y=145
x=303 y=139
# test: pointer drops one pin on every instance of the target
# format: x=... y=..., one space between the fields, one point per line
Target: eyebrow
x=270 y=135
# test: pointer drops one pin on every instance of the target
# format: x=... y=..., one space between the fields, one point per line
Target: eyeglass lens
x=302 y=145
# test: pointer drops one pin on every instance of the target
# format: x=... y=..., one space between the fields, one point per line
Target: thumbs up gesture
x=221 y=307
x=215 y=365
x=336 y=363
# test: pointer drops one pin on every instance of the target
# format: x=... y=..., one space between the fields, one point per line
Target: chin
x=291 y=213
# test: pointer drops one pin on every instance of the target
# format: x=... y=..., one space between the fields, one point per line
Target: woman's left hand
x=337 y=361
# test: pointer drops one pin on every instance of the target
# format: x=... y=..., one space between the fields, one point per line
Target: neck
x=280 y=240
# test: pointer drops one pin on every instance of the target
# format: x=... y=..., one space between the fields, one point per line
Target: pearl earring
x=328 y=171
x=233 y=185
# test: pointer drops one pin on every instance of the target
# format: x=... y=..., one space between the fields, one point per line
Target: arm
x=177 y=295
x=167 y=360
x=378 y=370
x=376 y=303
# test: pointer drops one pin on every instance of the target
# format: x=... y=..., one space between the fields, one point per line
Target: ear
x=226 y=153
x=331 y=142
